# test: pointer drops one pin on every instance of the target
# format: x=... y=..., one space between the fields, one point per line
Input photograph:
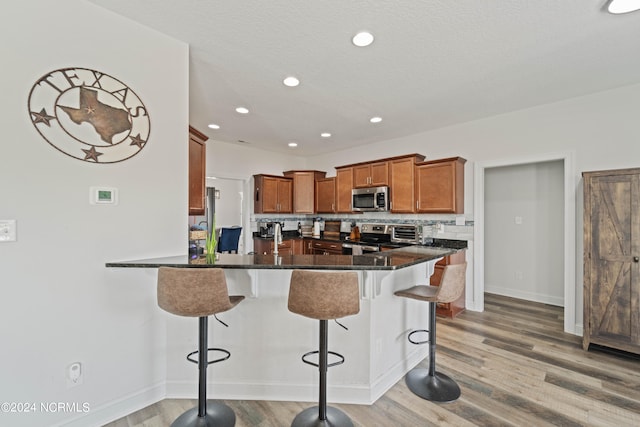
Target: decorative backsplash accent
x=441 y=226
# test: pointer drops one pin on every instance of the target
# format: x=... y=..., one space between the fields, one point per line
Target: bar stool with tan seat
x=323 y=296
x=199 y=292
x=429 y=384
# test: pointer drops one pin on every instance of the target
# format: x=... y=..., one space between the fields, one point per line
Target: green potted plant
x=211 y=243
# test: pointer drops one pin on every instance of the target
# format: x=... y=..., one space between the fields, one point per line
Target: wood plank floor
x=514 y=364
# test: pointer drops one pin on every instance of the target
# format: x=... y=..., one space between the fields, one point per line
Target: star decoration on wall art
x=89 y=115
x=42 y=117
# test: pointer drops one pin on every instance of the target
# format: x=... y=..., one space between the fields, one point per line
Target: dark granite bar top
x=386 y=260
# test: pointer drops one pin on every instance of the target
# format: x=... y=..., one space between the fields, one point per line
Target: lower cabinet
x=450 y=309
x=324 y=247
x=297 y=246
x=265 y=246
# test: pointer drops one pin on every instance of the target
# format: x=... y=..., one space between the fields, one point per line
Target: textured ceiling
x=433 y=63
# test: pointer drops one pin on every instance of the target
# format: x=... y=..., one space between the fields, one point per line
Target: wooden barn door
x=612 y=248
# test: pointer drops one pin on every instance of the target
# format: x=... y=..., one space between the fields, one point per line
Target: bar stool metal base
x=218 y=415
x=436 y=388
x=310 y=418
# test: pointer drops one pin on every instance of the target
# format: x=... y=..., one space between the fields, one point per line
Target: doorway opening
x=567 y=237
x=229 y=205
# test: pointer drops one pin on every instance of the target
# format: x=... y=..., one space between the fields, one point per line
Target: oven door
x=358 y=249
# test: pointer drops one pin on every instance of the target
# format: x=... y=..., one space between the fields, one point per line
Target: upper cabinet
x=272 y=194
x=401 y=183
x=326 y=195
x=415 y=186
x=344 y=185
x=304 y=185
x=197 y=171
x=440 y=186
x=374 y=174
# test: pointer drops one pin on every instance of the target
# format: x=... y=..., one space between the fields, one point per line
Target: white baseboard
x=359 y=394
x=525 y=295
x=119 y=408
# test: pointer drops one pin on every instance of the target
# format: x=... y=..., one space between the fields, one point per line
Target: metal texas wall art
x=89 y=115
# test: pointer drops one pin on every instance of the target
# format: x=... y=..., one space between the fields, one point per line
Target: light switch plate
x=7 y=230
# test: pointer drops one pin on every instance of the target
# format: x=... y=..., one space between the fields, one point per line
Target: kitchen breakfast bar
x=266 y=340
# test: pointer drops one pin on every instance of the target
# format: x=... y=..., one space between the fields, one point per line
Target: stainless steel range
x=375 y=236
x=372 y=237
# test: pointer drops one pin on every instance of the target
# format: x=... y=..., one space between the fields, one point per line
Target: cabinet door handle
x=636 y=259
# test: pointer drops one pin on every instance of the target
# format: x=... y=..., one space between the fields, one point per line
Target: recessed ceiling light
x=293 y=144
x=242 y=110
x=325 y=135
x=362 y=39
x=291 y=81
x=623 y=6
x=375 y=119
x=214 y=126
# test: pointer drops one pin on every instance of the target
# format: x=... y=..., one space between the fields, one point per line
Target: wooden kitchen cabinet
x=326 y=195
x=272 y=194
x=402 y=184
x=325 y=247
x=297 y=246
x=307 y=246
x=265 y=246
x=304 y=184
x=449 y=309
x=374 y=174
x=344 y=185
x=197 y=171
x=440 y=186
x=612 y=259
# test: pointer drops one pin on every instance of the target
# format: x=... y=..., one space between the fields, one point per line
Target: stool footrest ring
x=339 y=362
x=209 y=362
x=415 y=332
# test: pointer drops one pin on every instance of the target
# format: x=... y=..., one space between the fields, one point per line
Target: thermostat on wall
x=103 y=196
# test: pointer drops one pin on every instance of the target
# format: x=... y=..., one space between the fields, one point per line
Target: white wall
x=229 y=160
x=59 y=303
x=600 y=129
x=533 y=193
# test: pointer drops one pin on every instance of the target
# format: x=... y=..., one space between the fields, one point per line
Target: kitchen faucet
x=277 y=237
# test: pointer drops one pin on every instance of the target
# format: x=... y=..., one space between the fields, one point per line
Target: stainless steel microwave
x=370 y=199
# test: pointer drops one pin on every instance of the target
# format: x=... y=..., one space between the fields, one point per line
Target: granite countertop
x=393 y=259
x=344 y=238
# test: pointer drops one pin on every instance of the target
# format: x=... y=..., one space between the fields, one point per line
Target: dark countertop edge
x=156 y=262
x=436 y=243
x=273 y=267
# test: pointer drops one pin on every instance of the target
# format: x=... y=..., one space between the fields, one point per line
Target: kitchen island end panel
x=266 y=340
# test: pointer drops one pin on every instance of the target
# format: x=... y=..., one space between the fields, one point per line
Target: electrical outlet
x=74 y=374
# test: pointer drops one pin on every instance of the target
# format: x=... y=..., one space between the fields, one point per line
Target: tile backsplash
x=441 y=226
